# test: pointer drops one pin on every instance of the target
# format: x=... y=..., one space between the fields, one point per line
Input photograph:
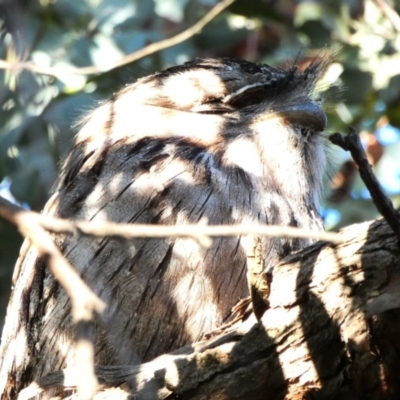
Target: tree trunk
x=332 y=332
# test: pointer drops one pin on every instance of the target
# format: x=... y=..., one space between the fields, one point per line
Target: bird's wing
x=160 y=293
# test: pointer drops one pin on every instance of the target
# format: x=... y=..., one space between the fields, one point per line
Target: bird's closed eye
x=244 y=97
x=248 y=95
x=215 y=106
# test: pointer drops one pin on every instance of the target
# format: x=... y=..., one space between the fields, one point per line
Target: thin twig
x=352 y=143
x=200 y=232
x=129 y=58
x=390 y=13
x=84 y=302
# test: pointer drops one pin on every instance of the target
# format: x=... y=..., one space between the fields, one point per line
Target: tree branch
x=84 y=302
x=129 y=58
x=390 y=13
x=200 y=232
x=352 y=143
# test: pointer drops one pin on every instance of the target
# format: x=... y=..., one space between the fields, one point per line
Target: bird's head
x=238 y=90
x=235 y=92
x=264 y=120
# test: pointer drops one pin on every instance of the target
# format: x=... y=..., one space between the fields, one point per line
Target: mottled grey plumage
x=232 y=141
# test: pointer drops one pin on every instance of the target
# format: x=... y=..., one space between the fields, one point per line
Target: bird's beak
x=307 y=115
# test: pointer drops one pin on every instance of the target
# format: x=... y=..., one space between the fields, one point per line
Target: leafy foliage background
x=38 y=112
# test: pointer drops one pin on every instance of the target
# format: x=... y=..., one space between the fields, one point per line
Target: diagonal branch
x=129 y=58
x=390 y=13
x=352 y=143
x=84 y=302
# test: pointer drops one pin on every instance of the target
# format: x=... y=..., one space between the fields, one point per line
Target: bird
x=221 y=139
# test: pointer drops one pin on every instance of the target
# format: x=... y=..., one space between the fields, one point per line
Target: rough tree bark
x=332 y=332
